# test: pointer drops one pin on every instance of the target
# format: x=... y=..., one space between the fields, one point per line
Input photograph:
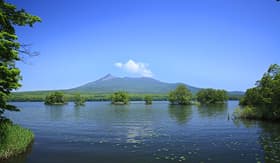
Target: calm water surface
x=101 y=132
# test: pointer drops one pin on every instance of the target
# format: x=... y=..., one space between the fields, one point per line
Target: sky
x=222 y=44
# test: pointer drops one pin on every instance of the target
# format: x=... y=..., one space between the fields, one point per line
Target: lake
x=101 y=132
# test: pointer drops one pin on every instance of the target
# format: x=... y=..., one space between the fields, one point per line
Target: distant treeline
x=41 y=95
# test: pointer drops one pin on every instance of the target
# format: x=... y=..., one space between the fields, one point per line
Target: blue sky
x=226 y=44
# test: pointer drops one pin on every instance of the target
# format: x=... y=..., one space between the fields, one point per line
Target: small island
x=56 y=98
x=120 y=98
x=180 y=96
x=79 y=100
x=148 y=100
x=211 y=96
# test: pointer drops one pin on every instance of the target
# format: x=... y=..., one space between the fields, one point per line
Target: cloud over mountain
x=137 y=68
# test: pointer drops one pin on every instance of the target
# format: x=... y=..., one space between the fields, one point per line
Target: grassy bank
x=13 y=139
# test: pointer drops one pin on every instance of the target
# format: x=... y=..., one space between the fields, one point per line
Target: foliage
x=120 y=97
x=79 y=100
x=148 y=100
x=247 y=113
x=265 y=97
x=9 y=50
x=41 y=95
x=13 y=139
x=55 y=98
x=181 y=95
x=211 y=96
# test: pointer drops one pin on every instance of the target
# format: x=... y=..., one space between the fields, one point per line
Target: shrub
x=181 y=95
x=78 y=100
x=55 y=98
x=148 y=100
x=211 y=96
x=120 y=97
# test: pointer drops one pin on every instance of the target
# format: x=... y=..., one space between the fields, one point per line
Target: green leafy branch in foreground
x=10 y=49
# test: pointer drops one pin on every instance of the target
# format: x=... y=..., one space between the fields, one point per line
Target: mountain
x=142 y=85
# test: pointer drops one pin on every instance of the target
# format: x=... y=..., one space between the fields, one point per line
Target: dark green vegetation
x=79 y=100
x=120 y=97
x=148 y=100
x=181 y=96
x=41 y=95
x=9 y=50
x=13 y=139
x=55 y=98
x=211 y=96
x=263 y=101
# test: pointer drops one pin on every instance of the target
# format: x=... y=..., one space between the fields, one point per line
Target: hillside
x=143 y=85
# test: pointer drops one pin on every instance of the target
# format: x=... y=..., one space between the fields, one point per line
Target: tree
x=56 y=98
x=10 y=49
x=211 y=96
x=265 y=96
x=120 y=97
x=181 y=95
x=148 y=100
x=78 y=100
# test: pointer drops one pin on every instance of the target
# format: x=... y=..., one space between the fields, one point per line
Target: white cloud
x=118 y=64
x=135 y=68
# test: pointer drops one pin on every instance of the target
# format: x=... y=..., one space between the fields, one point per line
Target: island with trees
x=79 y=100
x=148 y=100
x=120 y=98
x=55 y=98
x=211 y=96
x=180 y=96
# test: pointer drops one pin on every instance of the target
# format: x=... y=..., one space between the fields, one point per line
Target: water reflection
x=213 y=110
x=270 y=141
x=180 y=113
x=55 y=111
x=137 y=134
x=245 y=123
x=269 y=138
x=77 y=112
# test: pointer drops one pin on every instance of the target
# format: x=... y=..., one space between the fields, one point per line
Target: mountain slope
x=109 y=84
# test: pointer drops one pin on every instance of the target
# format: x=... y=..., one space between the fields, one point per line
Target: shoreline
x=14 y=140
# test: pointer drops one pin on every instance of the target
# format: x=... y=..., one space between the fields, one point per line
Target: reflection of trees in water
x=246 y=123
x=120 y=111
x=212 y=110
x=270 y=141
x=55 y=111
x=181 y=113
x=269 y=137
x=77 y=111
